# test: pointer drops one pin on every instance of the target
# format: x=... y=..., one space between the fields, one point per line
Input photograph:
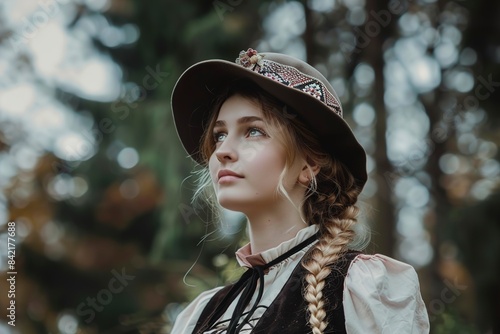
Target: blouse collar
x=247 y=259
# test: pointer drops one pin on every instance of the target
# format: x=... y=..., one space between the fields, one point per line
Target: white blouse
x=381 y=295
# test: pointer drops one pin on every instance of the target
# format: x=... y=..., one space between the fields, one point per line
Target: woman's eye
x=219 y=136
x=254 y=132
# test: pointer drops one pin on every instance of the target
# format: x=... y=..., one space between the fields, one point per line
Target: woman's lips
x=226 y=175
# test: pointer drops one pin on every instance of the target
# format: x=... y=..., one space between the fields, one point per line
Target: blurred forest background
x=96 y=181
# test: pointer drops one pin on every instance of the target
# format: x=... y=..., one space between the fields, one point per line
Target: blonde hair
x=329 y=201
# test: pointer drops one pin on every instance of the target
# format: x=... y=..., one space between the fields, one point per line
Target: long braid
x=329 y=248
x=331 y=206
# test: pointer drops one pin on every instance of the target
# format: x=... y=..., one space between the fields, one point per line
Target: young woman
x=269 y=132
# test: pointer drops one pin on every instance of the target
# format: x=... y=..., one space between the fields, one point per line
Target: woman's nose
x=226 y=150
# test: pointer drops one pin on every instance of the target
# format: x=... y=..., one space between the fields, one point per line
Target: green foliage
x=451 y=322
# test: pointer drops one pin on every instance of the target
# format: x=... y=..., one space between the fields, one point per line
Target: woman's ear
x=307 y=173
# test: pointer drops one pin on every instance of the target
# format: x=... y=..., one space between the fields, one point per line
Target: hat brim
x=196 y=89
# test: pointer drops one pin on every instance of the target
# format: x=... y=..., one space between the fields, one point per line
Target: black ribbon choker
x=248 y=283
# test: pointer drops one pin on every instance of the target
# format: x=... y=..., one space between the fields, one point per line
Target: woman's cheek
x=250 y=150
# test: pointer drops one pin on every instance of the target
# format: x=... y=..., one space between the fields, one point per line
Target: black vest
x=288 y=314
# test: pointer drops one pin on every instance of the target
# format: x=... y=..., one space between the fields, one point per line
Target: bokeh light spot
x=449 y=163
x=128 y=158
x=364 y=114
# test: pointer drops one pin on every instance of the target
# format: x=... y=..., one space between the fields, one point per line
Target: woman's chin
x=233 y=204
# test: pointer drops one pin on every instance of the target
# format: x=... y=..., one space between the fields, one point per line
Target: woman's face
x=247 y=162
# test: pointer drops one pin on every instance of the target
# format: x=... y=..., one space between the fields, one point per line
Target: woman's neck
x=269 y=228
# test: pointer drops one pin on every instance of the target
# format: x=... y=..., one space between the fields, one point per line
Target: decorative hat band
x=288 y=76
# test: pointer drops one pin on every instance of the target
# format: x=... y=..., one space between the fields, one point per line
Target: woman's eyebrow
x=242 y=120
x=248 y=119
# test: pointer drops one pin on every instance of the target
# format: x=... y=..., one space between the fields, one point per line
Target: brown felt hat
x=290 y=80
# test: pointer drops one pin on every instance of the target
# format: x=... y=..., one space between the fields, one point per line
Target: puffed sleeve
x=382 y=295
x=186 y=320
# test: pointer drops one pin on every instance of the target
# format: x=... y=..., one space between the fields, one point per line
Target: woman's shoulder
x=381 y=275
x=378 y=265
x=383 y=293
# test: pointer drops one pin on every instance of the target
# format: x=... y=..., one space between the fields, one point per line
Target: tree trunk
x=383 y=239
